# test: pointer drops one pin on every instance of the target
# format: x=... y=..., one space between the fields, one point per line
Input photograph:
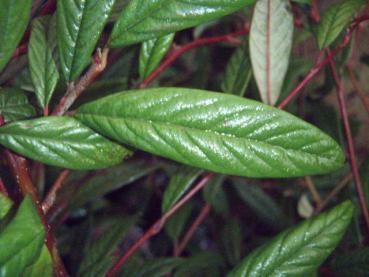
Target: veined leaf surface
x=214 y=131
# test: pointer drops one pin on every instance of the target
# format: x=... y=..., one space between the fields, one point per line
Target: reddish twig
x=179 y=51
x=315 y=11
x=74 y=91
x=350 y=142
x=51 y=196
x=158 y=225
x=358 y=90
x=320 y=65
x=191 y=231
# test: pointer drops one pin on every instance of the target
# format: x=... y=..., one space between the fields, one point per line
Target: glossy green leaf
x=42 y=267
x=14 y=105
x=159 y=267
x=231 y=238
x=99 y=256
x=300 y=250
x=270 y=46
x=152 y=52
x=5 y=205
x=14 y=16
x=145 y=20
x=334 y=20
x=61 y=141
x=353 y=263
x=175 y=226
x=21 y=241
x=238 y=73
x=214 y=131
x=79 y=26
x=179 y=184
x=43 y=70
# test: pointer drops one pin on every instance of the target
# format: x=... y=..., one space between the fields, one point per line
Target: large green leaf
x=14 y=16
x=298 y=251
x=335 y=19
x=14 y=105
x=179 y=183
x=42 y=267
x=61 y=141
x=43 y=70
x=152 y=52
x=270 y=46
x=21 y=241
x=79 y=25
x=214 y=131
x=144 y=20
x=5 y=205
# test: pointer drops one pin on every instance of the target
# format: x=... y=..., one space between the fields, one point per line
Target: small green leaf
x=79 y=26
x=179 y=183
x=214 y=131
x=145 y=20
x=61 y=141
x=14 y=16
x=14 y=105
x=159 y=267
x=238 y=73
x=270 y=46
x=42 y=267
x=334 y=20
x=152 y=52
x=5 y=205
x=175 y=226
x=231 y=239
x=43 y=70
x=21 y=241
x=300 y=250
x=215 y=195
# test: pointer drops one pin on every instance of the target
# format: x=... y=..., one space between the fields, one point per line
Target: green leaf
x=14 y=105
x=300 y=250
x=174 y=227
x=152 y=52
x=79 y=25
x=334 y=20
x=43 y=70
x=179 y=184
x=215 y=195
x=238 y=73
x=61 y=141
x=159 y=267
x=270 y=46
x=21 y=241
x=14 y=16
x=145 y=20
x=42 y=267
x=5 y=205
x=353 y=263
x=99 y=255
x=214 y=131
x=231 y=239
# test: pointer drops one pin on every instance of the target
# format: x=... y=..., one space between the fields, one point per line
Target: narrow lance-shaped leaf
x=159 y=267
x=43 y=70
x=270 y=46
x=335 y=19
x=22 y=239
x=298 y=251
x=152 y=52
x=61 y=141
x=145 y=20
x=5 y=205
x=214 y=131
x=14 y=16
x=79 y=25
x=42 y=267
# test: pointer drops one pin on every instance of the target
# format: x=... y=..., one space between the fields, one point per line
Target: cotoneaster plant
x=115 y=114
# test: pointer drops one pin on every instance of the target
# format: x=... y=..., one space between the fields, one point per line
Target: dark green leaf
x=79 y=25
x=5 y=205
x=238 y=73
x=179 y=183
x=354 y=263
x=300 y=250
x=231 y=241
x=158 y=267
x=145 y=20
x=152 y=52
x=270 y=46
x=21 y=241
x=14 y=16
x=215 y=195
x=176 y=224
x=214 y=131
x=61 y=141
x=334 y=20
x=42 y=47
x=43 y=267
x=14 y=105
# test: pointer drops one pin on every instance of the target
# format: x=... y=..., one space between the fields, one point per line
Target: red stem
x=178 y=51
x=315 y=11
x=158 y=225
x=51 y=196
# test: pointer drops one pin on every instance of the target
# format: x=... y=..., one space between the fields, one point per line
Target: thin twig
x=314 y=192
x=74 y=91
x=158 y=225
x=315 y=11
